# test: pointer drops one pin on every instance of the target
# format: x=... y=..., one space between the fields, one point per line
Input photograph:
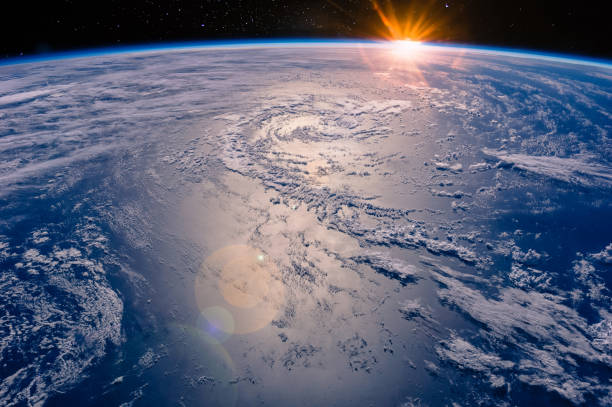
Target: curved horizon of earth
x=306 y=224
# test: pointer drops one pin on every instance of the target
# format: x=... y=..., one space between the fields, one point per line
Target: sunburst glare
x=417 y=22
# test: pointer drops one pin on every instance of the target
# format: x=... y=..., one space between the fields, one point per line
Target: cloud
x=548 y=340
x=570 y=170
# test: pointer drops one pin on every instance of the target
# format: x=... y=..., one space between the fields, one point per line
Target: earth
x=346 y=224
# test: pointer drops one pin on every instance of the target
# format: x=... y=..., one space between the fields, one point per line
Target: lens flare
x=245 y=283
x=238 y=291
x=216 y=323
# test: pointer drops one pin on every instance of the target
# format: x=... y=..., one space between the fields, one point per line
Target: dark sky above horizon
x=28 y=27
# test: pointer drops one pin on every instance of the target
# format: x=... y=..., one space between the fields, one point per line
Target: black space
x=31 y=27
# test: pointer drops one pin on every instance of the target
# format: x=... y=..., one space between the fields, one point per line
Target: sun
x=407 y=44
x=406 y=47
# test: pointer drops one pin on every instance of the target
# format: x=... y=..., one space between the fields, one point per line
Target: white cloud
x=571 y=170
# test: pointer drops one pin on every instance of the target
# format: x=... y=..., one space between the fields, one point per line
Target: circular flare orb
x=245 y=283
x=216 y=323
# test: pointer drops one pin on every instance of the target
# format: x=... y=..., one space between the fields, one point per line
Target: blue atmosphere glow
x=296 y=43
